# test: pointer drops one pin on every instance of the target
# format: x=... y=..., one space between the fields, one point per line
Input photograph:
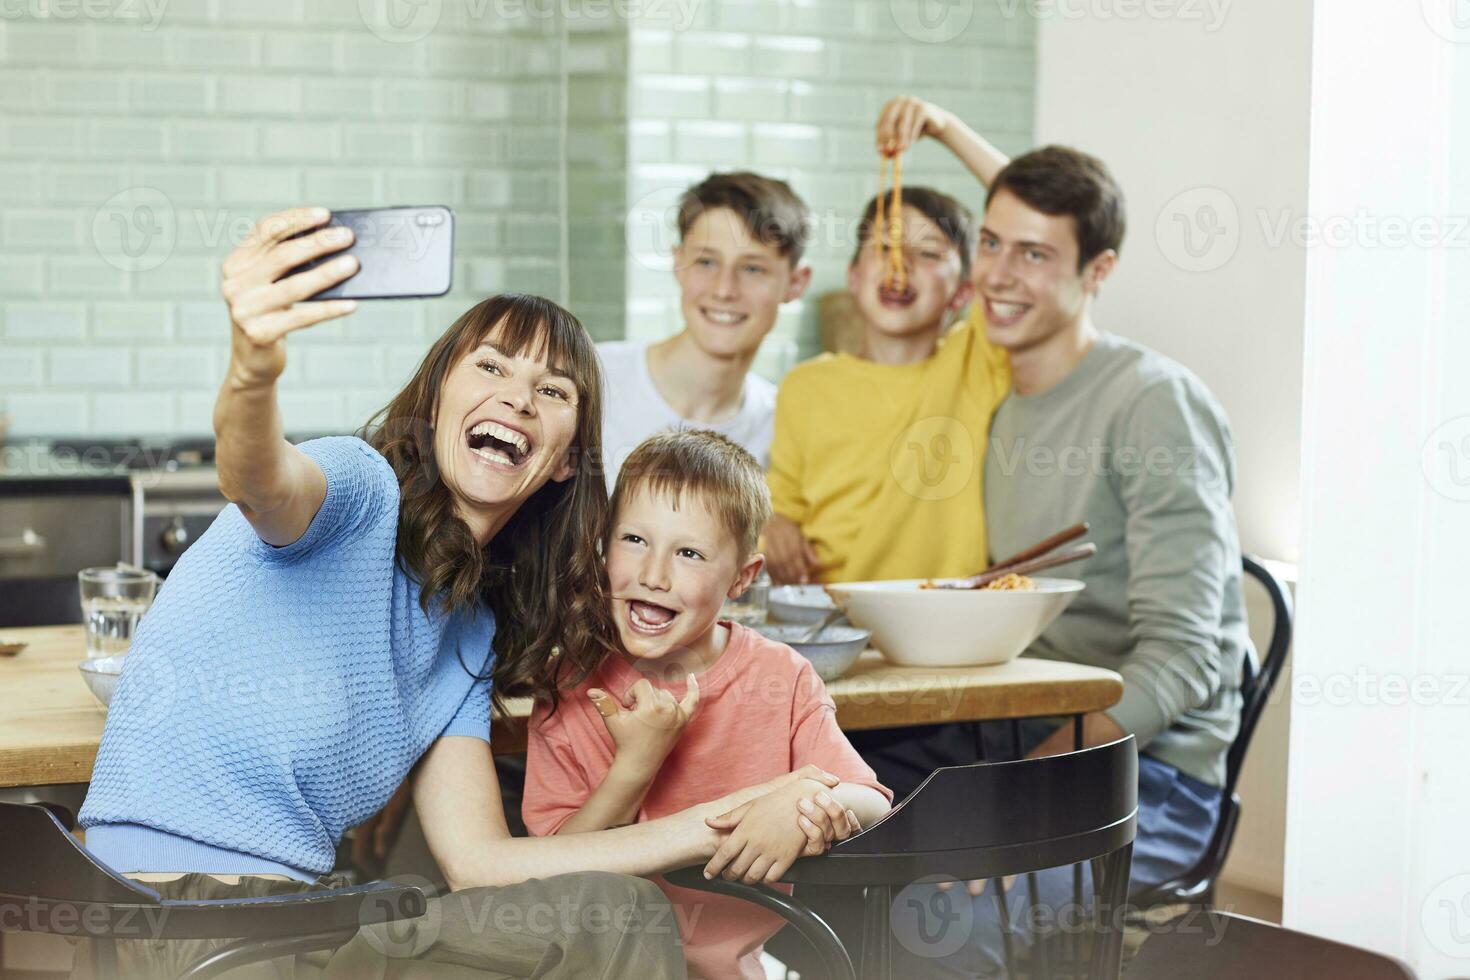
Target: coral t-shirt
x=762 y=712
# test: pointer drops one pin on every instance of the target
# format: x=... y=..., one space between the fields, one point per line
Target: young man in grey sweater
x=1104 y=430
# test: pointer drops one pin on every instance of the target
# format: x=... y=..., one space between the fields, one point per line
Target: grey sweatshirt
x=1136 y=446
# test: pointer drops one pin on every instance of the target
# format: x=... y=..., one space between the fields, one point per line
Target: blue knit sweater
x=275 y=697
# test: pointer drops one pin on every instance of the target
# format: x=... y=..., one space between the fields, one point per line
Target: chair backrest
x=987 y=819
x=43 y=867
x=1222 y=946
x=40 y=860
x=1259 y=678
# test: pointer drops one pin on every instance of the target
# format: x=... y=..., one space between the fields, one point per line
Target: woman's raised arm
x=277 y=487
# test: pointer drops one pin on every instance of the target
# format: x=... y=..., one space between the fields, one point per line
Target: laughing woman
x=346 y=622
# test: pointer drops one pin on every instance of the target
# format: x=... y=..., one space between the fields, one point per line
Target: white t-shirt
x=633 y=410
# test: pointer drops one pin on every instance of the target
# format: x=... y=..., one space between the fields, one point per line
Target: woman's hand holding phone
x=277 y=487
x=264 y=307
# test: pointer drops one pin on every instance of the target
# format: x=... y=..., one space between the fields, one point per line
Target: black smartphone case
x=402 y=253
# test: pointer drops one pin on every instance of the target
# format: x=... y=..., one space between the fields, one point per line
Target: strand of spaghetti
x=895 y=241
x=880 y=223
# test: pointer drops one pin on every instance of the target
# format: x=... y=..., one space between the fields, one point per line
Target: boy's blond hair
x=726 y=477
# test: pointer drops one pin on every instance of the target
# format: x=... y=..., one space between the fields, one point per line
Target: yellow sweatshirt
x=883 y=466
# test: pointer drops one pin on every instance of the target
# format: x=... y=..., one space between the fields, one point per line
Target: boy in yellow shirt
x=878 y=458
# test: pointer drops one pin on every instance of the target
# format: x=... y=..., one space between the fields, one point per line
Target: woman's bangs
x=529 y=326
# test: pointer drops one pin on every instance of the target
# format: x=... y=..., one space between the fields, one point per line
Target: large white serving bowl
x=916 y=627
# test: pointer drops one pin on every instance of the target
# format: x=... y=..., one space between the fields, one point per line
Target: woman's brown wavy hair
x=541 y=574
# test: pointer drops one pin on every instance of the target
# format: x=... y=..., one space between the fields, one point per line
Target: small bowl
x=834 y=650
x=101 y=674
x=799 y=604
x=916 y=627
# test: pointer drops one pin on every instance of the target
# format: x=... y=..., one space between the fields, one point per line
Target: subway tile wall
x=793 y=88
x=139 y=139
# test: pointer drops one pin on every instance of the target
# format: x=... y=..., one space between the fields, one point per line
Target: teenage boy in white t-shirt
x=741 y=238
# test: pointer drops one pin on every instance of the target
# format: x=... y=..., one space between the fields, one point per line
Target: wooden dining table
x=51 y=724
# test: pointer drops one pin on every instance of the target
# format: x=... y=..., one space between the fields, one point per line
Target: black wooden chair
x=49 y=883
x=1258 y=677
x=984 y=820
x=1222 y=946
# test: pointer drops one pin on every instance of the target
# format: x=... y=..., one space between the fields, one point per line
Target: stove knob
x=175 y=537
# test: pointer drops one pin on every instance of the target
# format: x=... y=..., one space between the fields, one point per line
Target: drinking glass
x=749 y=607
x=113 y=600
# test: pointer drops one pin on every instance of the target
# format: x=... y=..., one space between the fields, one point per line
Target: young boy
x=696 y=707
x=878 y=458
x=741 y=238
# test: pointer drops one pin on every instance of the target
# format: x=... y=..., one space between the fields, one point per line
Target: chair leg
x=1003 y=916
x=1040 y=950
x=104 y=962
x=1072 y=942
x=1107 y=949
x=877 y=962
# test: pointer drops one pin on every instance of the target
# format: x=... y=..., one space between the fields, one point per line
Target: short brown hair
x=1058 y=180
x=772 y=212
x=724 y=474
x=953 y=218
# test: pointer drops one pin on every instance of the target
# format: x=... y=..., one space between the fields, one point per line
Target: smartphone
x=402 y=253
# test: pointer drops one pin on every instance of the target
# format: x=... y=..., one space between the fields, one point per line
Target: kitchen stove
x=73 y=503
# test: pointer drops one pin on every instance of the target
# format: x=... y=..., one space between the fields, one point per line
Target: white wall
x=1211 y=103
x=1380 y=792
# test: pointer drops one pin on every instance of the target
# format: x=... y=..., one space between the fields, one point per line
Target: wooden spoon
x=1037 y=550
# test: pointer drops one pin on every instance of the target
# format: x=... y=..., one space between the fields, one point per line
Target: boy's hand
x=789 y=555
x=768 y=834
x=905 y=120
x=646 y=727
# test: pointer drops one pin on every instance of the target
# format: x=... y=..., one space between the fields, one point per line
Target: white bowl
x=917 y=627
x=798 y=603
x=101 y=674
